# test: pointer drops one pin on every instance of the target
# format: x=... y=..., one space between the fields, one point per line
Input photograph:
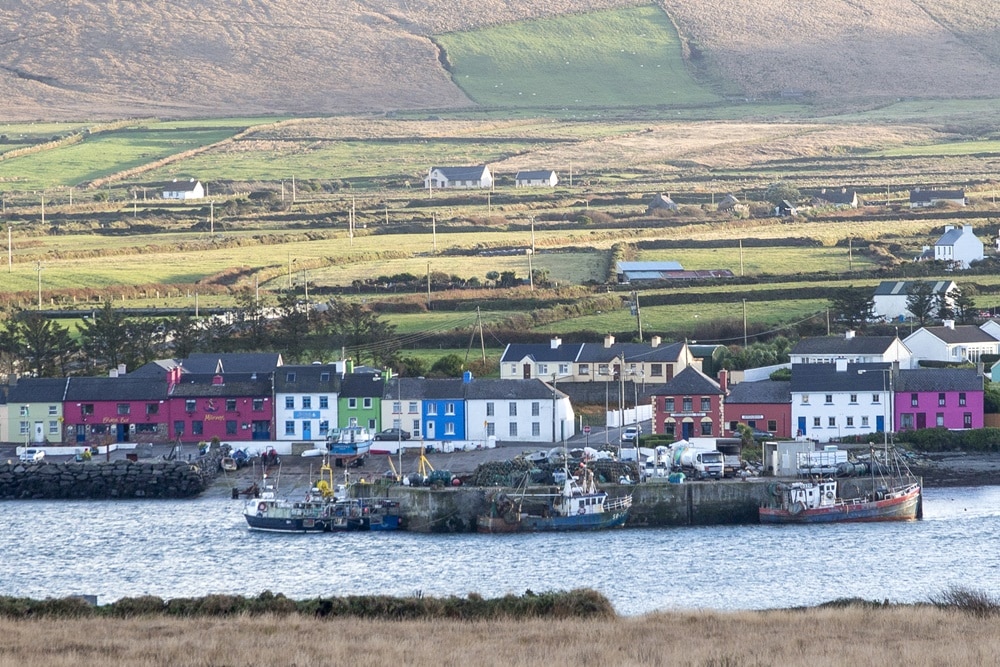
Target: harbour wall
x=99 y=480
x=454 y=509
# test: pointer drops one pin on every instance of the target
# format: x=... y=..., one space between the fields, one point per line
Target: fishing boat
x=353 y=442
x=891 y=498
x=270 y=513
x=579 y=505
x=365 y=514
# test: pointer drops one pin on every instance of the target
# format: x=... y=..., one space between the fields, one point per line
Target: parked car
x=631 y=433
x=393 y=434
x=757 y=434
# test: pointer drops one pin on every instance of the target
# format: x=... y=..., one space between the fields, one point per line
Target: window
x=854 y=398
x=416 y=428
x=805 y=399
x=178 y=428
x=324 y=402
x=914 y=400
x=491 y=429
x=432 y=409
x=449 y=428
x=307 y=402
x=230 y=405
x=197 y=427
x=828 y=398
x=816 y=422
x=941 y=400
x=961 y=398
x=352 y=403
x=324 y=427
x=656 y=370
x=967 y=420
x=850 y=422
x=189 y=405
x=25 y=426
x=706 y=428
x=563 y=369
x=832 y=421
x=290 y=377
x=124 y=408
x=53 y=410
x=512 y=409
x=258 y=404
x=668 y=404
x=687 y=405
x=512 y=429
x=543 y=369
x=602 y=369
x=706 y=404
x=772 y=425
x=535 y=409
x=367 y=403
x=864 y=422
x=733 y=425
x=513 y=369
x=289 y=402
x=152 y=408
x=24 y=410
x=53 y=427
x=536 y=429
x=85 y=409
x=397 y=407
x=412 y=408
x=668 y=429
x=939 y=419
x=230 y=427
x=489 y=408
x=876 y=398
x=290 y=427
x=324 y=377
x=584 y=369
x=449 y=409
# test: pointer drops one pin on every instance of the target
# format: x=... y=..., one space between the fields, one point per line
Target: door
x=429 y=431
x=81 y=432
x=802 y=426
x=921 y=420
x=526 y=372
x=307 y=430
x=39 y=432
x=687 y=430
x=121 y=432
x=880 y=424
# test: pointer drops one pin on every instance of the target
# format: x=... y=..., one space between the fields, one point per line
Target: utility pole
x=10 y=250
x=38 y=269
x=744 y=323
x=638 y=318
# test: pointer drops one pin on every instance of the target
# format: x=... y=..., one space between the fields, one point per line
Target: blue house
x=443 y=409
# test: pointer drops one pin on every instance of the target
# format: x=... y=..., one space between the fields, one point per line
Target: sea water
x=190 y=548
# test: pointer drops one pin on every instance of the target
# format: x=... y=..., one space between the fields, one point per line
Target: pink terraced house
x=950 y=398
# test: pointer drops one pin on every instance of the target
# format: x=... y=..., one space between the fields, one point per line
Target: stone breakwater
x=105 y=480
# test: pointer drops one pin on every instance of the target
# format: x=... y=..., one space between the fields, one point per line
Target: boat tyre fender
x=796 y=508
x=261 y=507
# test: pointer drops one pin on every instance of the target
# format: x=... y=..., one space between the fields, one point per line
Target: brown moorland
x=234 y=57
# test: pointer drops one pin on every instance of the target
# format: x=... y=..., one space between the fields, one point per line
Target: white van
x=32 y=455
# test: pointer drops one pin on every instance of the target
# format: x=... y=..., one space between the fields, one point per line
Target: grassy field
x=626 y=57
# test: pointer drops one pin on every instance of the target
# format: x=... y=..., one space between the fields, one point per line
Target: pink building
x=951 y=398
x=230 y=406
x=102 y=410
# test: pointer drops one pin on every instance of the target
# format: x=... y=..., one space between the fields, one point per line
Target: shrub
x=974 y=603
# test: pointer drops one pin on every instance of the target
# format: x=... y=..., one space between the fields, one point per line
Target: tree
x=104 y=337
x=779 y=191
x=921 y=300
x=853 y=305
x=963 y=308
x=292 y=326
x=45 y=346
x=508 y=279
x=357 y=327
x=450 y=365
x=250 y=320
x=185 y=335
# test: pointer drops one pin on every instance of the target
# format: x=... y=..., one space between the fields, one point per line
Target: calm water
x=191 y=548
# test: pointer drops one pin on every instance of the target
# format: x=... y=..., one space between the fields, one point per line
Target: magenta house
x=950 y=398
x=230 y=406
x=102 y=410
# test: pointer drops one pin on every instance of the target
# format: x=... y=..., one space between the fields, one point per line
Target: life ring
x=261 y=507
x=829 y=494
x=583 y=510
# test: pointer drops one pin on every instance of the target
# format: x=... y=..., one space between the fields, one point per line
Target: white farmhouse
x=536 y=179
x=962 y=343
x=459 y=177
x=518 y=410
x=190 y=189
x=958 y=246
x=855 y=349
x=890 y=296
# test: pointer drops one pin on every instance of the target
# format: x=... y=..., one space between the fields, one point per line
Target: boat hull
x=287 y=524
x=530 y=523
x=899 y=508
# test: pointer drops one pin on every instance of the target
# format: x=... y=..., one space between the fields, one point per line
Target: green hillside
x=627 y=57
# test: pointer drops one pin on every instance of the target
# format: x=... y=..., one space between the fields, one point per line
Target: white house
x=855 y=349
x=890 y=296
x=190 y=189
x=518 y=410
x=305 y=402
x=920 y=198
x=459 y=177
x=536 y=179
x=833 y=401
x=958 y=246
x=962 y=343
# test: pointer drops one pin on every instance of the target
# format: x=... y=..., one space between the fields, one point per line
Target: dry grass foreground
x=819 y=637
x=234 y=57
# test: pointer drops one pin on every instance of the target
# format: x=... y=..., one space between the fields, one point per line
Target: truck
x=826 y=462
x=697 y=462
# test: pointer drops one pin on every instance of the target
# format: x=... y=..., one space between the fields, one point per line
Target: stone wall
x=98 y=480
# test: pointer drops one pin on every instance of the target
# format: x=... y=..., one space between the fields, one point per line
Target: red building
x=763 y=406
x=103 y=410
x=690 y=406
x=231 y=406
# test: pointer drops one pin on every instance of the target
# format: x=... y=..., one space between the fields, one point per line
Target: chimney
x=655 y=341
x=841 y=365
x=113 y=373
x=121 y=369
x=967 y=229
x=555 y=343
x=217 y=380
x=849 y=334
x=724 y=381
x=948 y=228
x=609 y=340
x=949 y=324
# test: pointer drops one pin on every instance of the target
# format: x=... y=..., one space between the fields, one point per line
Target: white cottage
x=190 y=189
x=536 y=179
x=962 y=343
x=459 y=177
x=891 y=295
x=958 y=246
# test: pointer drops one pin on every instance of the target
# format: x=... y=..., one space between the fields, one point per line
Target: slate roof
x=116 y=389
x=950 y=236
x=961 y=333
x=461 y=173
x=845 y=346
x=689 y=381
x=424 y=388
x=38 y=390
x=938 y=379
x=362 y=385
x=307 y=379
x=544 y=175
x=181 y=185
x=493 y=389
x=920 y=195
x=232 y=362
x=902 y=287
x=838 y=196
x=234 y=384
x=810 y=378
x=541 y=352
x=765 y=391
